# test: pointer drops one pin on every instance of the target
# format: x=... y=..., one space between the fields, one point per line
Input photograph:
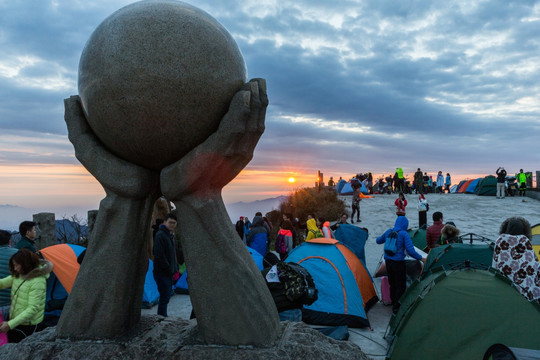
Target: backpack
x=281 y=244
x=390 y=245
x=317 y=233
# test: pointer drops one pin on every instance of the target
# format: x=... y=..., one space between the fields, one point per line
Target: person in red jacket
x=400 y=203
x=433 y=233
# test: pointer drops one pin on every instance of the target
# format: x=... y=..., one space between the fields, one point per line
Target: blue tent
x=472 y=186
x=341 y=183
x=347 y=189
x=454 y=189
x=181 y=286
x=354 y=238
x=340 y=301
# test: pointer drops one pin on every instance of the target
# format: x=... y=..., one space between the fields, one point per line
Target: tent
x=65 y=270
x=346 y=290
x=341 y=183
x=354 y=238
x=455 y=254
x=535 y=241
x=487 y=186
x=181 y=285
x=460 y=185
x=418 y=237
x=471 y=189
x=459 y=313
x=347 y=189
x=453 y=189
x=60 y=281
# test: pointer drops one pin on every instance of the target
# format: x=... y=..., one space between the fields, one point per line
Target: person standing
x=28 y=283
x=401 y=180
x=501 y=182
x=395 y=264
x=440 y=182
x=522 y=181
x=6 y=252
x=422 y=211
x=447 y=183
x=27 y=229
x=165 y=263
x=356 y=205
x=418 y=181
x=240 y=227
x=257 y=238
x=400 y=203
x=425 y=180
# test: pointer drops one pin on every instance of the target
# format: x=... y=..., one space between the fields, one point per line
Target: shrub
x=310 y=201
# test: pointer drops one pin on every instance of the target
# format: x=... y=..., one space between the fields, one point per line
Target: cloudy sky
x=354 y=86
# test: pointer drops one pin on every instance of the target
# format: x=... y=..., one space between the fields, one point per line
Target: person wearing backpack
x=397 y=241
x=284 y=239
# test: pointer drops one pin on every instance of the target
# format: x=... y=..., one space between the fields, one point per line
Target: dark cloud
x=429 y=83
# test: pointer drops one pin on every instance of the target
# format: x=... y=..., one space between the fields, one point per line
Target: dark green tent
x=418 y=237
x=458 y=314
x=487 y=186
x=455 y=254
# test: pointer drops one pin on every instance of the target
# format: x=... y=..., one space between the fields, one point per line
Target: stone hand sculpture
x=107 y=297
x=229 y=296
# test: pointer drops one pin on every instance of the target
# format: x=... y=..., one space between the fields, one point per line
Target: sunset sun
x=292 y=180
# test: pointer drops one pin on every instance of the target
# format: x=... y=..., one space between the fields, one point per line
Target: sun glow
x=292 y=180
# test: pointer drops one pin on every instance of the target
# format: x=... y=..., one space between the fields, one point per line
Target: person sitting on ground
x=433 y=233
x=27 y=229
x=449 y=234
x=400 y=203
x=514 y=256
x=342 y=221
x=395 y=264
x=28 y=283
x=257 y=238
x=325 y=228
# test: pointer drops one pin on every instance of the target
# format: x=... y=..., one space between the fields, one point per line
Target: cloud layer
x=354 y=86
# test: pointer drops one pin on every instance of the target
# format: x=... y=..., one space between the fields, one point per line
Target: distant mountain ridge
x=249 y=209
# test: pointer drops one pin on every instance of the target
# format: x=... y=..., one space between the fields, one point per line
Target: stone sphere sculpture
x=156 y=78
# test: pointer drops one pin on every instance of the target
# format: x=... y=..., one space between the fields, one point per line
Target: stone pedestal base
x=158 y=338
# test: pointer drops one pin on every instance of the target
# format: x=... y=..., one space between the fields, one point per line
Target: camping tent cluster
x=459 y=307
x=485 y=186
x=347 y=187
x=345 y=287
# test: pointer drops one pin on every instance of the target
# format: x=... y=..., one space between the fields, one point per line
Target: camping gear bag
x=385 y=291
x=390 y=244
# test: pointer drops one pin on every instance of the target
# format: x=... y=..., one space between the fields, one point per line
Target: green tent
x=458 y=314
x=455 y=254
x=418 y=237
x=487 y=186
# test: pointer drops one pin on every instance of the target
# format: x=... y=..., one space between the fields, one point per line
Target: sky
x=354 y=86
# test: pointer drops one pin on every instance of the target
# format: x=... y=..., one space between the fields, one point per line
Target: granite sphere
x=156 y=78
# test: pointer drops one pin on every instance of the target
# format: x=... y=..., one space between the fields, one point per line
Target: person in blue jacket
x=395 y=264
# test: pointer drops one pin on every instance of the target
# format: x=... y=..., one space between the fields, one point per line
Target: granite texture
x=155 y=79
x=158 y=338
